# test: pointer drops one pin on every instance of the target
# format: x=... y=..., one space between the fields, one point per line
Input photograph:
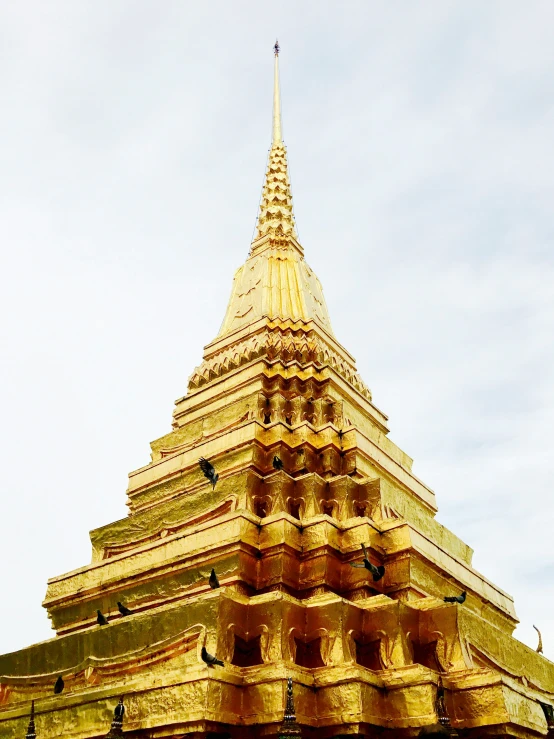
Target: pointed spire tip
x=277 y=134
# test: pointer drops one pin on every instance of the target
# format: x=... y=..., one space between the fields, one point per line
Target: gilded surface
x=364 y=656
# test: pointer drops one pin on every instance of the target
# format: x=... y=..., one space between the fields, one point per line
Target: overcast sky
x=133 y=144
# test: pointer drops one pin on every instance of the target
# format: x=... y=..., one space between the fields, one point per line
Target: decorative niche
x=367 y=654
x=308 y=654
x=247 y=653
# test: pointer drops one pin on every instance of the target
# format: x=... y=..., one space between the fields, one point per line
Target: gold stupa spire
x=275 y=282
x=276 y=217
x=277 y=134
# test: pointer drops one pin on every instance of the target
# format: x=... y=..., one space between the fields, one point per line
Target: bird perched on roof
x=539 y=646
x=277 y=463
x=209 y=471
x=101 y=619
x=59 y=685
x=209 y=659
x=214 y=582
x=377 y=572
x=123 y=609
x=455 y=598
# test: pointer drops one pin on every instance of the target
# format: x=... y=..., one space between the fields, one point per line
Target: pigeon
x=209 y=659
x=455 y=598
x=101 y=619
x=377 y=572
x=209 y=471
x=123 y=609
x=214 y=582
x=539 y=647
x=277 y=463
x=59 y=686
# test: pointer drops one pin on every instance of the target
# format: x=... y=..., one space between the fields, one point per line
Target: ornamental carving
x=287 y=347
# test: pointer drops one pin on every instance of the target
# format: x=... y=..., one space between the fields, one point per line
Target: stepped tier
x=295 y=535
x=357 y=667
x=299 y=344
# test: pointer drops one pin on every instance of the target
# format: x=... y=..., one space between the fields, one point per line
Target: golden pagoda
x=254 y=567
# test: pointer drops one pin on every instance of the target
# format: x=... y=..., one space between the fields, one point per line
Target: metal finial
x=117 y=723
x=290 y=713
x=289 y=727
x=277 y=134
x=442 y=714
x=276 y=48
x=31 y=733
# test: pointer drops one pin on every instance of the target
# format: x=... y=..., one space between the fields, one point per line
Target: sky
x=133 y=143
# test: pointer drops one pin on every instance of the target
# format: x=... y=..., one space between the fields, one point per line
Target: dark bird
x=277 y=463
x=539 y=646
x=377 y=572
x=101 y=619
x=455 y=598
x=209 y=659
x=59 y=686
x=123 y=609
x=214 y=582
x=209 y=471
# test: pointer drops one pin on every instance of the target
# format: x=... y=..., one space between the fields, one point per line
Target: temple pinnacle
x=276 y=218
x=31 y=732
x=275 y=282
x=117 y=723
x=289 y=727
x=277 y=134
